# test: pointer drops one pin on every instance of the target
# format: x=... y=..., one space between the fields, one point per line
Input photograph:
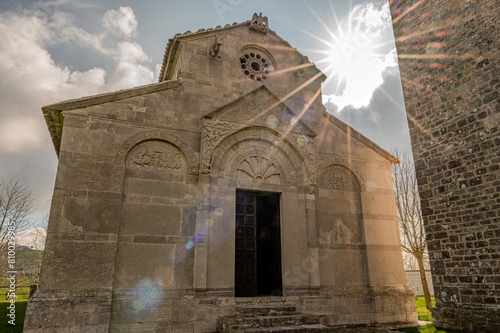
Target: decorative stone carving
x=248 y=143
x=258 y=169
x=257 y=110
x=163 y=135
x=340 y=234
x=338 y=178
x=256 y=65
x=214 y=131
x=214 y=49
x=340 y=162
x=262 y=110
x=259 y=23
x=306 y=147
x=155 y=156
x=336 y=181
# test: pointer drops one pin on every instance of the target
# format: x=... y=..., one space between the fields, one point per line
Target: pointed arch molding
x=160 y=135
x=294 y=164
x=331 y=161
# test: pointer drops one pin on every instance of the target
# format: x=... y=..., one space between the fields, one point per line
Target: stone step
x=252 y=311
x=267 y=321
x=283 y=329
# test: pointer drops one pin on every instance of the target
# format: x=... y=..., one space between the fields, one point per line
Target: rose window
x=255 y=65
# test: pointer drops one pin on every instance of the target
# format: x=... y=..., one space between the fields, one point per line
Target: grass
x=5 y=327
x=423 y=313
x=429 y=328
x=22 y=292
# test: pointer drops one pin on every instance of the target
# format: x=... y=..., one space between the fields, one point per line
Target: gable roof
x=361 y=138
x=172 y=48
x=55 y=120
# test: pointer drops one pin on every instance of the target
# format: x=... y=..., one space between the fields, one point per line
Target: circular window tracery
x=256 y=65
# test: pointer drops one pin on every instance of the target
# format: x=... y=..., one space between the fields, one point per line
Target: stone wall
x=415 y=283
x=142 y=232
x=449 y=63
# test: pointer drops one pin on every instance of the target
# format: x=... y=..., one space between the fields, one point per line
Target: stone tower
x=450 y=66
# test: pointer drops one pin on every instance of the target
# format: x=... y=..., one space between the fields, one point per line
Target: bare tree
x=16 y=206
x=410 y=216
x=31 y=272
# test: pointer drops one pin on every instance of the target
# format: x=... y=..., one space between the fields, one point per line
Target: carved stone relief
x=256 y=110
x=338 y=178
x=214 y=131
x=342 y=163
x=263 y=110
x=155 y=136
x=306 y=147
x=340 y=234
x=156 y=156
x=255 y=161
x=258 y=169
x=259 y=23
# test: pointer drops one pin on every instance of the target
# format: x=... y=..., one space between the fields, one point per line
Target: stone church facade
x=223 y=186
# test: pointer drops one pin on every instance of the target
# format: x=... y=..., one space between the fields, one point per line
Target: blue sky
x=56 y=50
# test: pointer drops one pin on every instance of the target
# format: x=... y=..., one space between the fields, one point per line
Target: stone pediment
x=261 y=107
x=258 y=108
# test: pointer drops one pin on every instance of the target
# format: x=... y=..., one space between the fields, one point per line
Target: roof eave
x=360 y=137
x=53 y=113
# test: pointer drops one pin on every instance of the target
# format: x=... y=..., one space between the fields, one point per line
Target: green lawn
x=5 y=327
x=429 y=328
x=423 y=313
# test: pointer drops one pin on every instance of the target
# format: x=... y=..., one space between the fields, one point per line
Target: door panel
x=258 y=245
x=246 y=254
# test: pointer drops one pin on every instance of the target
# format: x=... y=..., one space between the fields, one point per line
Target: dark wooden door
x=246 y=247
x=258 y=245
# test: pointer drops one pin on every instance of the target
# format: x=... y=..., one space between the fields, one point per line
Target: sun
x=355 y=55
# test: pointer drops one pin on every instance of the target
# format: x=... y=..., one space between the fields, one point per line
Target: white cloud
x=131 y=52
x=121 y=21
x=32 y=75
x=157 y=71
x=32 y=238
x=18 y=134
x=360 y=56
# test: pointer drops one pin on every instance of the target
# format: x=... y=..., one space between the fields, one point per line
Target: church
x=222 y=198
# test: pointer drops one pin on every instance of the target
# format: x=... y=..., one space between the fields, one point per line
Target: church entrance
x=258 y=244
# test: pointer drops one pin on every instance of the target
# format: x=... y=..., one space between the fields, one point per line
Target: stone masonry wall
x=414 y=281
x=449 y=63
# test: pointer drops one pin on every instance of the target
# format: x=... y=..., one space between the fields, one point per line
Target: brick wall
x=449 y=63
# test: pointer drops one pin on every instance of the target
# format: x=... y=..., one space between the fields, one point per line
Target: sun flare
x=355 y=55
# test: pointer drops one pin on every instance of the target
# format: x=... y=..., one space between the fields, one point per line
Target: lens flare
x=200 y=234
x=143 y=300
x=302 y=140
